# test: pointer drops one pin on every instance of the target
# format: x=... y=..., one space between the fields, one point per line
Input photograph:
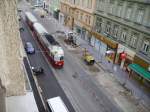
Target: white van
x=56 y=105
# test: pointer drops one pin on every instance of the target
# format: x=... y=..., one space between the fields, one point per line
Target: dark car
x=37 y=70
x=29 y=48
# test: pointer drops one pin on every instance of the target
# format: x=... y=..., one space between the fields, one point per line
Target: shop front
x=140 y=69
x=106 y=46
x=99 y=46
x=125 y=56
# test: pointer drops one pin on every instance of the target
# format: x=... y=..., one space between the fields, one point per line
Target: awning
x=140 y=70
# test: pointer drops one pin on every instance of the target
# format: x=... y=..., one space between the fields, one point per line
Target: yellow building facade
x=78 y=15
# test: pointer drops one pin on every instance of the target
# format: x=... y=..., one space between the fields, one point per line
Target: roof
x=22 y=103
x=30 y=16
x=57 y=105
x=39 y=28
x=140 y=70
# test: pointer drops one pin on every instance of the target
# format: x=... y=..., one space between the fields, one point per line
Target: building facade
x=79 y=14
x=84 y=18
x=126 y=22
x=66 y=16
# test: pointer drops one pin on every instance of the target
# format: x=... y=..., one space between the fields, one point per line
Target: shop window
x=93 y=41
x=97 y=44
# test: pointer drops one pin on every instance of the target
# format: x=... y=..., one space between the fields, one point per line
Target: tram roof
x=31 y=17
x=39 y=28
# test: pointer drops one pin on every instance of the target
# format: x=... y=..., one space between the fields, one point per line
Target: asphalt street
x=47 y=81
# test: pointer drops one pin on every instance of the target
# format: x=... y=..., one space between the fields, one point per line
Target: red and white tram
x=30 y=19
x=51 y=47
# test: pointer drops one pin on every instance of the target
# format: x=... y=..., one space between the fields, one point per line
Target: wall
x=10 y=45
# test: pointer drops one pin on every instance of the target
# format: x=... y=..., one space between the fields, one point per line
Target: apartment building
x=78 y=14
x=84 y=18
x=126 y=23
x=66 y=15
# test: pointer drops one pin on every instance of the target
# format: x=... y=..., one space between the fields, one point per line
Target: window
x=86 y=3
x=119 y=10
x=81 y=16
x=111 y=6
x=108 y=28
x=77 y=14
x=128 y=13
x=140 y=15
x=98 y=25
x=101 y=5
x=90 y=4
x=89 y=20
x=133 y=40
x=145 y=47
x=77 y=2
x=115 y=31
x=123 y=35
x=86 y=18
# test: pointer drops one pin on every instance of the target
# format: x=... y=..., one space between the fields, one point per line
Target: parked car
x=29 y=48
x=37 y=70
x=21 y=28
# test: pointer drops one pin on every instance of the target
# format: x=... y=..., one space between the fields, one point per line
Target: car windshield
x=29 y=45
x=58 y=58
